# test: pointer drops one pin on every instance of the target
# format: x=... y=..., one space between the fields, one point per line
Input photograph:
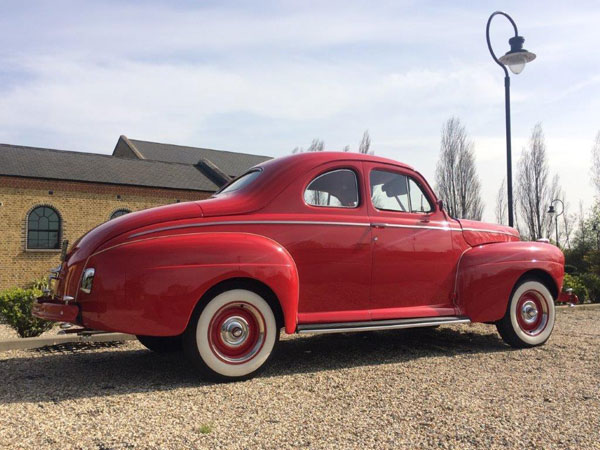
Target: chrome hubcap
x=234 y=331
x=529 y=312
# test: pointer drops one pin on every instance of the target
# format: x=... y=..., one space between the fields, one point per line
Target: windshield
x=240 y=183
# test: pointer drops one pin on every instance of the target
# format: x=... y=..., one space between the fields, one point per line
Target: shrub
x=15 y=309
x=591 y=281
x=576 y=283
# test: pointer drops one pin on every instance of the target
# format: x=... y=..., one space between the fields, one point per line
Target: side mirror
x=440 y=204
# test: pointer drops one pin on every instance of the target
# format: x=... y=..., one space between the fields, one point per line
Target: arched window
x=119 y=213
x=43 y=229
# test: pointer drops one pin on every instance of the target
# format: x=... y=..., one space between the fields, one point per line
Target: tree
x=456 y=177
x=365 y=144
x=596 y=163
x=535 y=191
x=501 y=204
x=317 y=145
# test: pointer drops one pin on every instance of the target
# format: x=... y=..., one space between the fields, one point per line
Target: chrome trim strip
x=378 y=325
x=253 y=222
x=489 y=231
x=311 y=222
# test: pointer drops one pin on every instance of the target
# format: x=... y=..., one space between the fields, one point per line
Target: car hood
x=479 y=233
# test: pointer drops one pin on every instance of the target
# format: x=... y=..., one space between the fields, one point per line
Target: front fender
x=166 y=276
x=487 y=274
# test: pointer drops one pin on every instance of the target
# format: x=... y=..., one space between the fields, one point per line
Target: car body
x=330 y=241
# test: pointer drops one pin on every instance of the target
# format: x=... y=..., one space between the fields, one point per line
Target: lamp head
x=551 y=210
x=517 y=57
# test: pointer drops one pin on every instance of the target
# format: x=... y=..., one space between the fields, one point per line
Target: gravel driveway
x=447 y=387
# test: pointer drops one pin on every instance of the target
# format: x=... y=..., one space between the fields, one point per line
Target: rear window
x=241 y=182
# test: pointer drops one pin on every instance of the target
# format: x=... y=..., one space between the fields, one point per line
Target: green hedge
x=15 y=310
x=586 y=286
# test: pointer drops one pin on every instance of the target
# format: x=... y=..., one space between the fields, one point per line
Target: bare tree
x=596 y=163
x=317 y=145
x=535 y=191
x=501 y=204
x=365 y=144
x=456 y=176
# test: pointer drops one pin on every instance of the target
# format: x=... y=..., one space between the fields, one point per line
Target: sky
x=265 y=77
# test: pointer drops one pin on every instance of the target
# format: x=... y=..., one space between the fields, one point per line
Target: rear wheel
x=161 y=344
x=232 y=336
x=529 y=317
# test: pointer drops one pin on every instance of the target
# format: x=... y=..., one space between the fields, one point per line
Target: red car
x=313 y=243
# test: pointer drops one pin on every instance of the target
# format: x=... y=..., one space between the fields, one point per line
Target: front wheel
x=529 y=317
x=232 y=336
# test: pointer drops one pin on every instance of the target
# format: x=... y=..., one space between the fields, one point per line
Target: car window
x=337 y=189
x=419 y=203
x=240 y=182
x=389 y=191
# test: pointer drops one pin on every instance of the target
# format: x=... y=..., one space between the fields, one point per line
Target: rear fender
x=487 y=275
x=166 y=276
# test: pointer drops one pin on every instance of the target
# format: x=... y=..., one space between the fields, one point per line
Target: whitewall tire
x=530 y=315
x=232 y=336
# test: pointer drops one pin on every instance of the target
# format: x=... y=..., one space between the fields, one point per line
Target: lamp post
x=515 y=59
x=552 y=212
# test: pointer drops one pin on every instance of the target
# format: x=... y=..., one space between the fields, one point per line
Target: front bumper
x=48 y=308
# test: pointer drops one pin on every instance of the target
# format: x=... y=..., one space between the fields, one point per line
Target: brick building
x=49 y=195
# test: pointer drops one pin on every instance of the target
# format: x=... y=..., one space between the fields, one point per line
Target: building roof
x=33 y=162
x=231 y=163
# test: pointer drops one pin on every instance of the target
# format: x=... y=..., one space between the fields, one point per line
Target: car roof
x=314 y=159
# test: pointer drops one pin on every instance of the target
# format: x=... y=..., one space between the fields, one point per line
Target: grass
x=204 y=429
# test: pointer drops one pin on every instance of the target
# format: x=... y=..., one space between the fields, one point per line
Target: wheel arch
x=542 y=276
x=250 y=284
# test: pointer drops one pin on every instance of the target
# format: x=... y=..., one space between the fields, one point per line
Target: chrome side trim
x=489 y=231
x=253 y=222
x=311 y=222
x=377 y=325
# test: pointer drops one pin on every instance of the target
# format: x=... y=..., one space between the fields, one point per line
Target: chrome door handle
x=378 y=225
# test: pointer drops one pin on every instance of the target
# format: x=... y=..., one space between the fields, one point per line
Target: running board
x=374 y=325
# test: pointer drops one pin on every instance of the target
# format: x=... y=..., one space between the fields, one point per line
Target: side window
x=419 y=203
x=119 y=213
x=337 y=189
x=389 y=191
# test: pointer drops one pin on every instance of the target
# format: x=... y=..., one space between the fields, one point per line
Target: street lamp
x=515 y=59
x=552 y=212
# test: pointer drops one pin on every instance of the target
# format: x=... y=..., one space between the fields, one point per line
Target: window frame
x=408 y=179
x=327 y=172
x=59 y=231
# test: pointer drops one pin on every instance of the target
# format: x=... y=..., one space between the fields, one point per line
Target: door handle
x=378 y=225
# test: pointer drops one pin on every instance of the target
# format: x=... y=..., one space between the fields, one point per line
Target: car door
x=328 y=234
x=414 y=261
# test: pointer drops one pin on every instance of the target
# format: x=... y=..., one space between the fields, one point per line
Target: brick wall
x=82 y=206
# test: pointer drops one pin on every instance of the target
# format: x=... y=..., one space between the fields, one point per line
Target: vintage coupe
x=315 y=242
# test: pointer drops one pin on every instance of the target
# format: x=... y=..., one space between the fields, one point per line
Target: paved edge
x=585 y=306
x=38 y=342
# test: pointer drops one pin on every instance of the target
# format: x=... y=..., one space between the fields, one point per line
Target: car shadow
x=64 y=373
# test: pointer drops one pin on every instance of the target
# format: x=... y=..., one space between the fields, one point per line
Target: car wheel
x=529 y=317
x=161 y=344
x=232 y=336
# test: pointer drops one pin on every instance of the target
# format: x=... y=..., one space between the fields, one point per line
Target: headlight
x=87 y=280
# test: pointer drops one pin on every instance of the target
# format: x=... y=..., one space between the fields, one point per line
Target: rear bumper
x=49 y=309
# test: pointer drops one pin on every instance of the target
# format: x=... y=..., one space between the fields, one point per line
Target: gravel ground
x=444 y=388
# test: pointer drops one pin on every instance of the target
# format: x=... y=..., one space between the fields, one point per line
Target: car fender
x=487 y=274
x=155 y=283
